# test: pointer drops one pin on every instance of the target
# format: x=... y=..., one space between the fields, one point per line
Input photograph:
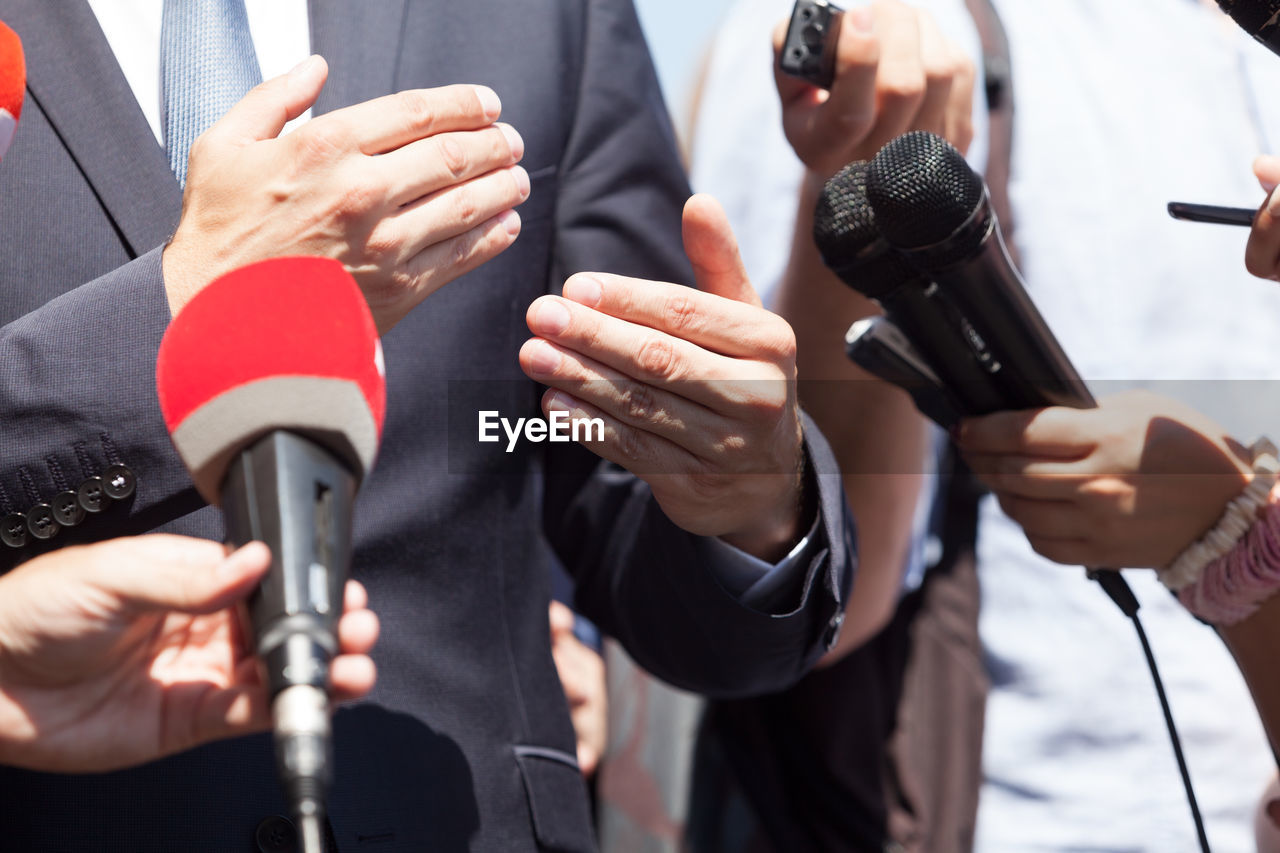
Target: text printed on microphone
x=559 y=428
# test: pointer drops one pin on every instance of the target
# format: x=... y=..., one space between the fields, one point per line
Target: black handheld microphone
x=270 y=380
x=847 y=236
x=1258 y=18
x=935 y=209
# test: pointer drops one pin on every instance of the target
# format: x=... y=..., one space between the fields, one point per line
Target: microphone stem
x=303 y=757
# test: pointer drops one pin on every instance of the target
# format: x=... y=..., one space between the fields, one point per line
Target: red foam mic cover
x=13 y=80
x=287 y=343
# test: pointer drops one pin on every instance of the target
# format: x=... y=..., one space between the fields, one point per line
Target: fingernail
x=862 y=18
x=584 y=290
x=558 y=402
x=514 y=140
x=301 y=69
x=489 y=102
x=510 y=220
x=543 y=359
x=522 y=181
x=551 y=318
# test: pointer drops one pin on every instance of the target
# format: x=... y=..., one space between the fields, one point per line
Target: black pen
x=1212 y=213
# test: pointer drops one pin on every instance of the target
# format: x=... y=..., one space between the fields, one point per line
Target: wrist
x=773 y=537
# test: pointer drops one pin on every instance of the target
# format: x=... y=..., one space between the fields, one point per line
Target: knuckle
x=680 y=313
x=416 y=107
x=452 y=156
x=638 y=402
x=631 y=443
x=657 y=357
x=779 y=343
x=355 y=200
x=903 y=86
x=460 y=249
x=465 y=209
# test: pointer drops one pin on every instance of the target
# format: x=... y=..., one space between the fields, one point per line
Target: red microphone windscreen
x=13 y=80
x=287 y=344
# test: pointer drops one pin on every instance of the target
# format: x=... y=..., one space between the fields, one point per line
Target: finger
x=1266 y=168
x=264 y=111
x=900 y=75
x=637 y=450
x=453 y=211
x=387 y=123
x=1055 y=431
x=713 y=251
x=178 y=573
x=1027 y=476
x=354 y=596
x=439 y=264
x=358 y=631
x=352 y=677
x=428 y=165
x=1045 y=519
x=959 y=123
x=703 y=320
x=561 y=618
x=846 y=113
x=1262 y=252
x=686 y=420
x=936 y=57
x=1068 y=552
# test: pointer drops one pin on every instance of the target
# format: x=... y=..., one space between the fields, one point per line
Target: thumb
x=264 y=111
x=713 y=251
x=1267 y=170
x=561 y=618
x=161 y=572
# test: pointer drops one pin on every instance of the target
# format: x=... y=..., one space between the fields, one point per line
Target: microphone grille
x=844 y=224
x=921 y=189
x=1251 y=15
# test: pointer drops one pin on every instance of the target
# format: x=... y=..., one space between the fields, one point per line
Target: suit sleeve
x=642 y=579
x=78 y=400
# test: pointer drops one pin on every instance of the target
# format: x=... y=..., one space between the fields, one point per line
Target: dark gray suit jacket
x=465 y=744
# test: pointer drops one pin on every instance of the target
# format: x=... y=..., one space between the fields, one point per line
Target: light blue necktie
x=207 y=63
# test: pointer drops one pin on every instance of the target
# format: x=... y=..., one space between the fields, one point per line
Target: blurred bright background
x=679 y=32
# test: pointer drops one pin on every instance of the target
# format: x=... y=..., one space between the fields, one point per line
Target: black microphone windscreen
x=849 y=240
x=922 y=190
x=844 y=225
x=1254 y=16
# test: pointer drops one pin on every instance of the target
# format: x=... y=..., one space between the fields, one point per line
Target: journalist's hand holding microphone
x=124 y=651
x=895 y=71
x=1129 y=484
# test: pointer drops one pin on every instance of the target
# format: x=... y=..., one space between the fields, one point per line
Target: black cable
x=1118 y=590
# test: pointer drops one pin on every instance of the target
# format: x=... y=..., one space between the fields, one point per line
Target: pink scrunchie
x=1232 y=587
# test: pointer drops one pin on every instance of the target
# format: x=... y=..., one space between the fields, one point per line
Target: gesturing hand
x=895 y=71
x=409 y=191
x=1130 y=483
x=696 y=388
x=582 y=676
x=124 y=651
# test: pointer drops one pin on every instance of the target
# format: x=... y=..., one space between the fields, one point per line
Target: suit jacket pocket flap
x=557 y=799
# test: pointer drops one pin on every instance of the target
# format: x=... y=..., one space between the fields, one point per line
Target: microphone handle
x=939 y=332
x=294 y=495
x=1034 y=371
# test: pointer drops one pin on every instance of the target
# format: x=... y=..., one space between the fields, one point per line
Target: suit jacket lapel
x=361 y=42
x=74 y=78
